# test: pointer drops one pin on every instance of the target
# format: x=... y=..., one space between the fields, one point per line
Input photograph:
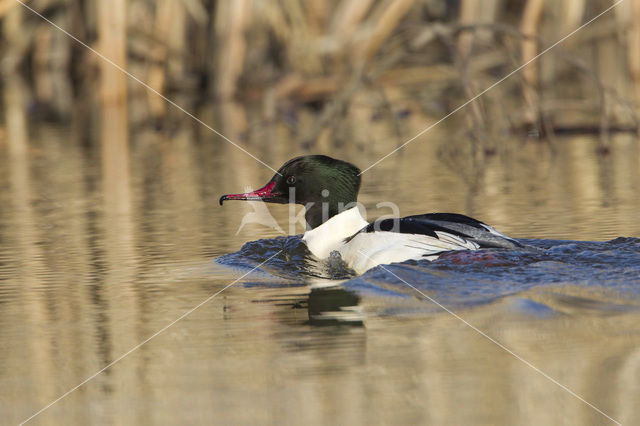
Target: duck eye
x=291 y=180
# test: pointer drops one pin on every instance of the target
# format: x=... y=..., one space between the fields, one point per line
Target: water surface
x=90 y=267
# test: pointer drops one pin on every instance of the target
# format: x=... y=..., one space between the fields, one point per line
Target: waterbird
x=328 y=188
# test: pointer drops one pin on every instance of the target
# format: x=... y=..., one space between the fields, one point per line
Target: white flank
x=370 y=249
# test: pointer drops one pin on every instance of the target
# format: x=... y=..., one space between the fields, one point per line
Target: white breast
x=330 y=236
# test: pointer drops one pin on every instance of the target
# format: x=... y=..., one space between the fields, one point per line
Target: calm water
x=95 y=259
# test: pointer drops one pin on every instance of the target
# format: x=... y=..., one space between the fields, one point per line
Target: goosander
x=328 y=188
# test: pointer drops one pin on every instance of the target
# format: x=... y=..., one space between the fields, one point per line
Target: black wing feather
x=452 y=223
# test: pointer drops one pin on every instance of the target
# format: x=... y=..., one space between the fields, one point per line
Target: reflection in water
x=23 y=254
x=334 y=305
x=101 y=249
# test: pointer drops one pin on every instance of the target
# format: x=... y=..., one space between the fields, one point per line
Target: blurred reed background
x=314 y=67
x=107 y=191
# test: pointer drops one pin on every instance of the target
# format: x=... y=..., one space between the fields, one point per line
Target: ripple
x=471 y=278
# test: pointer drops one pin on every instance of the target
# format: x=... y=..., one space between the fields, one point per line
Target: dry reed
x=320 y=56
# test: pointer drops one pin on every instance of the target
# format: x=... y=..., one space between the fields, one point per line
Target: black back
x=451 y=223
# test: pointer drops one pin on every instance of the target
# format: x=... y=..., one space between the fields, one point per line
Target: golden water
x=100 y=250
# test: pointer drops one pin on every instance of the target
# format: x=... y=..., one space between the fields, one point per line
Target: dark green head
x=324 y=185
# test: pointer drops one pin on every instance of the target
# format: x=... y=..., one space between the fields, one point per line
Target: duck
x=328 y=189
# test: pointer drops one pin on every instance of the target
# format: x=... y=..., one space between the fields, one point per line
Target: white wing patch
x=369 y=249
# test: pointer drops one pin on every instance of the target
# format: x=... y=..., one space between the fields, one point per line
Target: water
x=90 y=267
x=538 y=280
